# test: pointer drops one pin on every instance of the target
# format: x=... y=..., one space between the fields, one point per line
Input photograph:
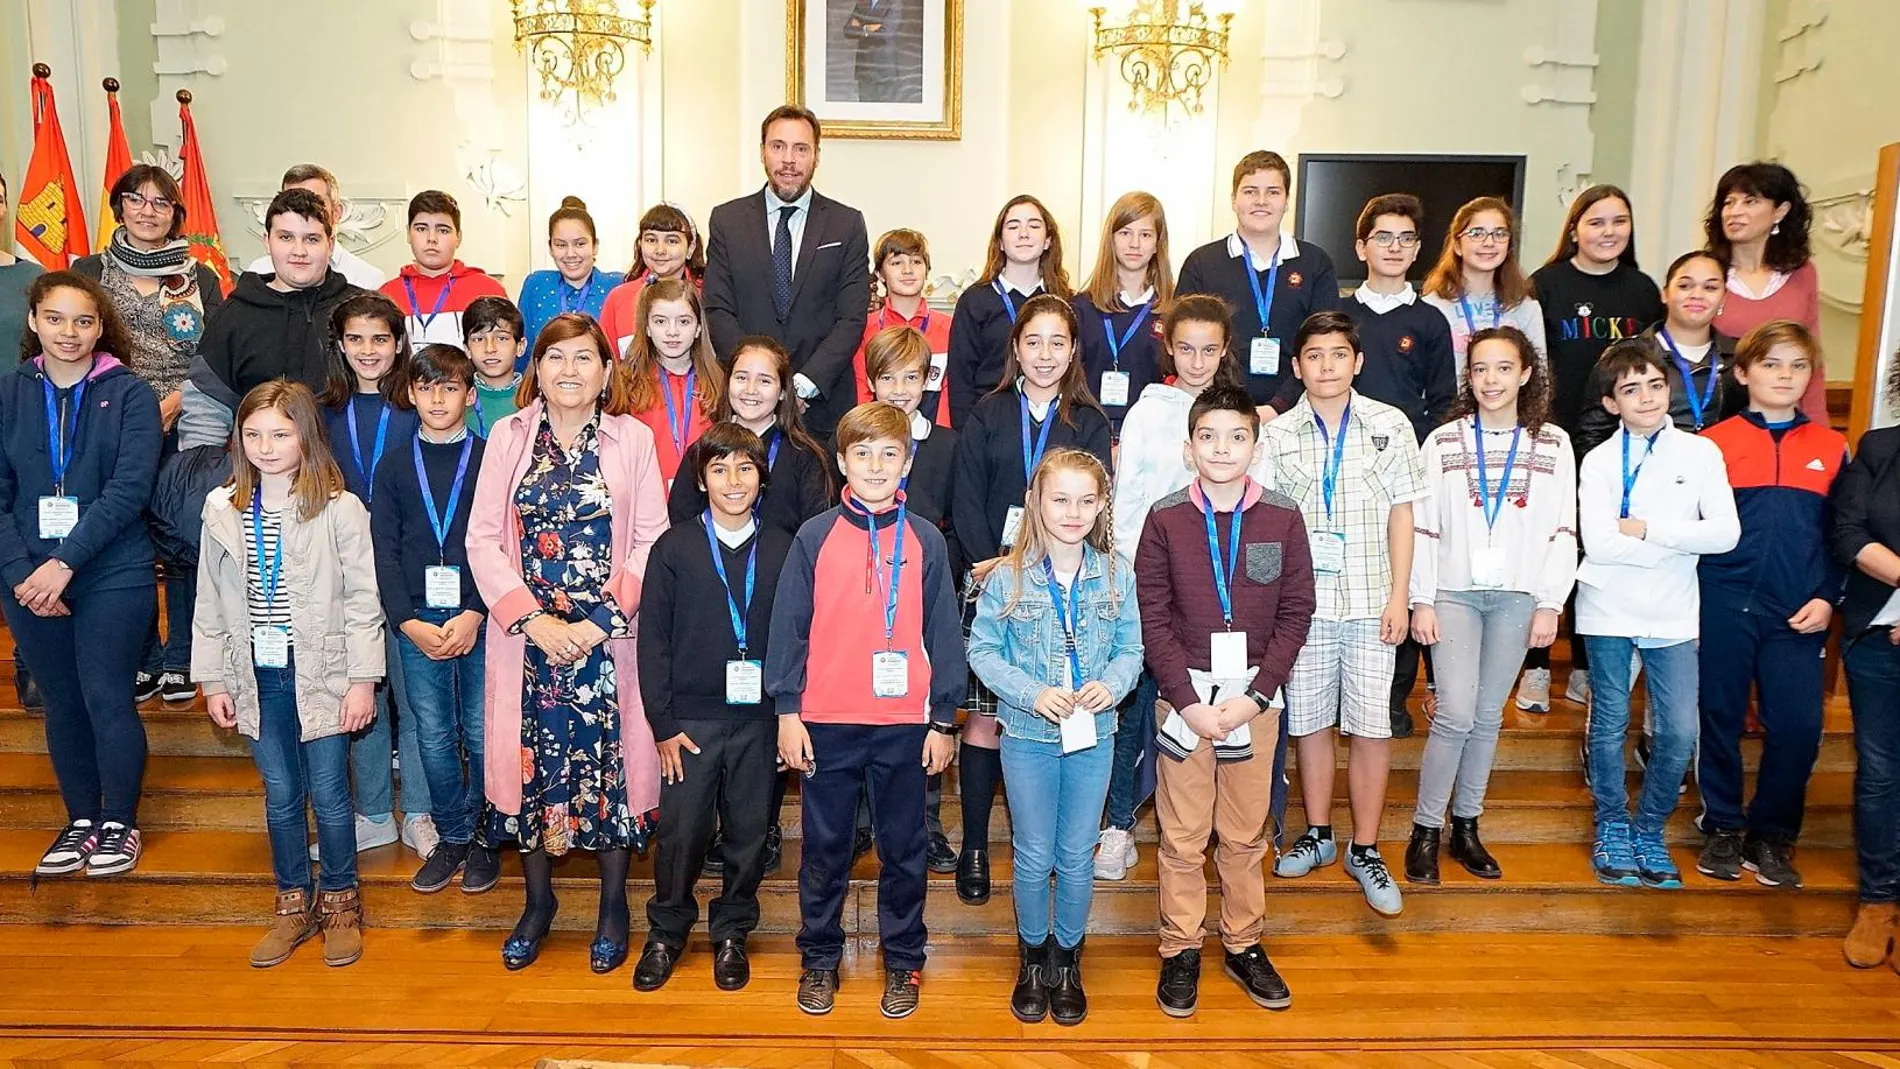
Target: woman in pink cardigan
x=568 y=503
x=1758 y=225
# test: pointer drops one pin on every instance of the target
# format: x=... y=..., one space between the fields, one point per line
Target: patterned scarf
x=171 y=259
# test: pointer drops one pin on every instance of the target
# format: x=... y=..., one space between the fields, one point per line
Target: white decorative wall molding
x=1297 y=63
x=1564 y=72
x=455 y=46
x=1800 y=43
x=1539 y=56
x=1845 y=222
x=1538 y=94
x=366 y=222
x=501 y=184
x=186 y=48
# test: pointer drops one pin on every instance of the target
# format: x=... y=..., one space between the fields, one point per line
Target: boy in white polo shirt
x=1650 y=501
x=1353 y=465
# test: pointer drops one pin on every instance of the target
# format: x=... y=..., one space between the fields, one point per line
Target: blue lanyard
x=1262 y=302
x=1067 y=621
x=439 y=522
x=1701 y=404
x=60 y=445
x=1629 y=476
x=1031 y=459
x=897 y=567
x=356 y=444
x=415 y=306
x=1115 y=347
x=1223 y=577
x=580 y=303
x=738 y=612
x=1008 y=305
x=1490 y=507
x=1497 y=315
x=674 y=425
x=268 y=571
x=1336 y=456
x=771 y=451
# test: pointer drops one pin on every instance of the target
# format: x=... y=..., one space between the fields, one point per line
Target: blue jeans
x=445 y=705
x=370 y=748
x=297 y=774
x=173 y=653
x=1670 y=673
x=1054 y=802
x=1873 y=692
x=1132 y=736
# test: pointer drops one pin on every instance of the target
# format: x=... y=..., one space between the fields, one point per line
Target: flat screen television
x=1332 y=188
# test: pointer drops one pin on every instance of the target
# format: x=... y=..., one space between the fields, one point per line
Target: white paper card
x=745 y=682
x=1263 y=356
x=1488 y=567
x=1329 y=552
x=1078 y=731
x=933 y=379
x=270 y=647
x=1114 y=388
x=58 y=516
x=442 y=586
x=1228 y=658
x=1012 y=525
x=890 y=674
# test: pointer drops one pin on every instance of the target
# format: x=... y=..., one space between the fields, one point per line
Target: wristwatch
x=1259 y=699
x=942 y=728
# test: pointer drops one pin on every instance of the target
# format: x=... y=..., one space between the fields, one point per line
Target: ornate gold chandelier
x=580 y=46
x=1168 y=55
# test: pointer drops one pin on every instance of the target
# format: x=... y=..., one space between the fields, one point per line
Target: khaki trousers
x=1232 y=798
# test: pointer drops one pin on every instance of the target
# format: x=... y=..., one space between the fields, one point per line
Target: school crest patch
x=1380 y=441
x=1296 y=280
x=1405 y=343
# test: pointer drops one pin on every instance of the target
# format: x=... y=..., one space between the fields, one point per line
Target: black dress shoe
x=938 y=856
x=605 y=955
x=973 y=877
x=1468 y=850
x=1402 y=723
x=1421 y=856
x=715 y=863
x=655 y=966
x=861 y=843
x=732 y=969
x=774 y=850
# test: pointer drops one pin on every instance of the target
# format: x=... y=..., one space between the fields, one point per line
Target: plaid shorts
x=1343 y=679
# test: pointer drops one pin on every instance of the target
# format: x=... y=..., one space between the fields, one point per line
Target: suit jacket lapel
x=814 y=236
x=756 y=237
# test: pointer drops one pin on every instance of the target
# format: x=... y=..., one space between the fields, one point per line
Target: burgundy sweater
x=1180 y=609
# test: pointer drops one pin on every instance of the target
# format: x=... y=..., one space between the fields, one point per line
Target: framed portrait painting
x=878 y=68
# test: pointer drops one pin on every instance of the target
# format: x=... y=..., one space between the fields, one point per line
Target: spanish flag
x=201 y=215
x=118 y=161
x=50 y=222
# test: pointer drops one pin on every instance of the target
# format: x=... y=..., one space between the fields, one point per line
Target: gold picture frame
x=911 y=66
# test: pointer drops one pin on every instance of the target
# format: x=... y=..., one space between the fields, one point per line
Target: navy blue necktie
x=782 y=261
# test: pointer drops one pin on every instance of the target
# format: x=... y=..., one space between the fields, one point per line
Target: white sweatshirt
x=1536 y=524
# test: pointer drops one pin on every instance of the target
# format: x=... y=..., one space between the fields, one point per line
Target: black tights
x=538 y=914
x=978 y=772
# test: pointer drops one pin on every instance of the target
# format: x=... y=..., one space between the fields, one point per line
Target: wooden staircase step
x=169 y=729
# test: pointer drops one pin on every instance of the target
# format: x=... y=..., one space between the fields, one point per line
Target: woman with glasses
x=1476 y=283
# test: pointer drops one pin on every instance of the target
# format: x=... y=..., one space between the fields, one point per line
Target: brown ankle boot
x=342 y=926
x=1871 y=939
x=294 y=923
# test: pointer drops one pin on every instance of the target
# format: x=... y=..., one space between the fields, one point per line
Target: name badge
x=1488 y=569
x=1078 y=732
x=58 y=516
x=442 y=586
x=1263 y=356
x=745 y=682
x=1012 y=525
x=890 y=674
x=1329 y=552
x=270 y=646
x=1114 y=388
x=933 y=379
x=1228 y=658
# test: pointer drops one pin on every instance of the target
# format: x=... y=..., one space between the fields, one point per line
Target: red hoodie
x=434 y=304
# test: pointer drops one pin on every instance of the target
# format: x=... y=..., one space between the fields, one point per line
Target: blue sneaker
x=1614 y=855
x=1368 y=870
x=1307 y=853
x=1653 y=862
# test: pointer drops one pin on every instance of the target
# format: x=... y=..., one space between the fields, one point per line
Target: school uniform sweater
x=399 y=525
x=1645 y=588
x=935 y=327
x=979 y=343
x=990 y=478
x=1306 y=284
x=1583 y=314
x=1596 y=425
x=114 y=438
x=929 y=489
x=799 y=487
x=686 y=636
x=1781 y=480
x=828 y=620
x=434 y=303
x=489 y=405
x=1273 y=598
x=1138 y=357
x=1536 y=524
x=366 y=409
x=1408 y=357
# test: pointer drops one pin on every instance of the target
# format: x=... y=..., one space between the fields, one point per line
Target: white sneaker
x=1578 y=689
x=1114 y=854
x=419 y=834
x=1533 y=691
x=370 y=834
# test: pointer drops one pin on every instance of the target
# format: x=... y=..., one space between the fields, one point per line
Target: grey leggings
x=1481 y=645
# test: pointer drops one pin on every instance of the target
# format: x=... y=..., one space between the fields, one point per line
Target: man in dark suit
x=800 y=273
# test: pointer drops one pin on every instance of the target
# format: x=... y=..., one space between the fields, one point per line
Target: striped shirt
x=265 y=611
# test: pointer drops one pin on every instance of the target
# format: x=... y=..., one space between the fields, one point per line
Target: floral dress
x=573 y=781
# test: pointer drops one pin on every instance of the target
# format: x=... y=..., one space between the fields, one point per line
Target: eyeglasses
x=1386 y=239
x=1500 y=235
x=161 y=205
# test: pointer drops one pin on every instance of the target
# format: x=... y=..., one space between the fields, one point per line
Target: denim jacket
x=1020 y=654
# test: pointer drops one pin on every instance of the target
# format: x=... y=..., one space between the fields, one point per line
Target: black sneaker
x=817 y=990
x=1772 y=862
x=1256 y=975
x=903 y=989
x=482 y=870
x=1721 y=856
x=440 y=868
x=117 y=852
x=1179 y=991
x=939 y=856
x=29 y=691
x=70 y=850
x=176 y=688
x=144 y=687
